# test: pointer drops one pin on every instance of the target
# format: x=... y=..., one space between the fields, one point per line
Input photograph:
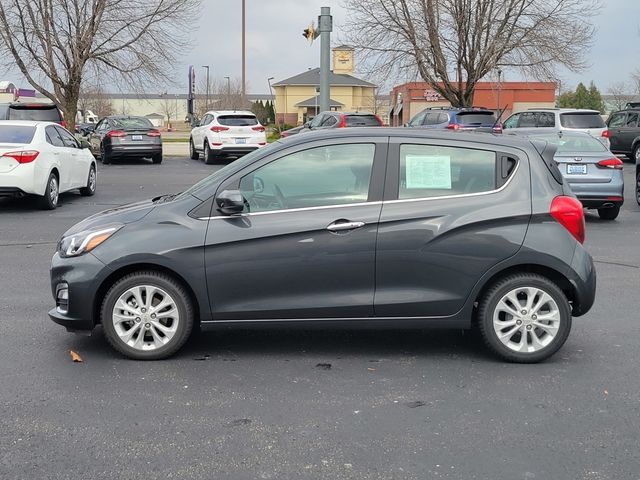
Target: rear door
x=62 y=157
x=78 y=164
x=452 y=210
x=628 y=131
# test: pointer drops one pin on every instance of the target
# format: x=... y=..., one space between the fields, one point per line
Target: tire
x=638 y=185
x=51 y=194
x=193 y=153
x=610 y=213
x=209 y=156
x=635 y=155
x=92 y=181
x=157 y=159
x=105 y=158
x=516 y=348
x=159 y=340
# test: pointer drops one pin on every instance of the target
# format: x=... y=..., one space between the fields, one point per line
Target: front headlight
x=87 y=240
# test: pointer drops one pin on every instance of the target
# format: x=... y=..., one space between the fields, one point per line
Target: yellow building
x=297 y=98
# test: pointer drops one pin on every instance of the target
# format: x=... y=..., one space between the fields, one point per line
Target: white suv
x=223 y=133
x=559 y=119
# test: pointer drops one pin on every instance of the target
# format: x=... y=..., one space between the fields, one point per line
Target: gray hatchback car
x=389 y=227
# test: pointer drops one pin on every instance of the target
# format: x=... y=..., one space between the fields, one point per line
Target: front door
x=451 y=212
x=305 y=246
x=615 y=126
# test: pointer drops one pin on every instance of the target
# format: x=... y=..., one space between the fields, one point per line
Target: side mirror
x=230 y=202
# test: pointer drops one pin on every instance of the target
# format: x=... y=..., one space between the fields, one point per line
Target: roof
x=229 y=112
x=563 y=110
x=315 y=101
x=312 y=77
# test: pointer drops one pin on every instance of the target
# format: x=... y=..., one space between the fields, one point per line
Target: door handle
x=342 y=225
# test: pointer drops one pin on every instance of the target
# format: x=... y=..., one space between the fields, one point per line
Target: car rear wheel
x=524 y=318
x=209 y=156
x=50 y=199
x=157 y=159
x=610 y=213
x=193 y=153
x=147 y=316
x=635 y=155
x=638 y=187
x=105 y=158
x=90 y=189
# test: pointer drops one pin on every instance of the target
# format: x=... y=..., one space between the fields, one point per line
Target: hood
x=124 y=214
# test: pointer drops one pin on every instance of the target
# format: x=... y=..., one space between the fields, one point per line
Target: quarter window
x=434 y=171
x=330 y=175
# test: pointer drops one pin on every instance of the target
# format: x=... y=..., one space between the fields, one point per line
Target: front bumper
x=82 y=276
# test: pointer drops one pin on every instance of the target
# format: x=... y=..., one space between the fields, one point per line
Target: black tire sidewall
x=489 y=303
x=610 y=213
x=208 y=155
x=46 y=200
x=169 y=285
x=87 y=191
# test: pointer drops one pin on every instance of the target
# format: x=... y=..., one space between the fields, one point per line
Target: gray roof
x=315 y=101
x=312 y=77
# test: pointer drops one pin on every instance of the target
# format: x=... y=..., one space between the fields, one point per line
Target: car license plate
x=241 y=140
x=576 y=169
x=136 y=138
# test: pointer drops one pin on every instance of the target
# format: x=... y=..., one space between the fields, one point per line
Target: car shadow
x=31 y=203
x=127 y=161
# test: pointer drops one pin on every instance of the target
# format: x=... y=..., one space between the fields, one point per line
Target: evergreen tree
x=582 y=98
x=596 y=102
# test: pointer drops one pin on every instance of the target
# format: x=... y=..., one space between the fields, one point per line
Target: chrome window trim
x=289 y=210
x=461 y=195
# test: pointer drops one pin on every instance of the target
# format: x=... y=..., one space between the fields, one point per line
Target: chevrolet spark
x=388 y=227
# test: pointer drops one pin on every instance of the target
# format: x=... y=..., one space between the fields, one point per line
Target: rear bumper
x=11 y=192
x=135 y=150
x=234 y=149
x=582 y=276
x=595 y=195
x=21 y=180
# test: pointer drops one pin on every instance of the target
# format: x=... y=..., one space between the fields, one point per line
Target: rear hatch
x=135 y=132
x=240 y=129
x=590 y=122
x=13 y=138
x=475 y=119
x=41 y=112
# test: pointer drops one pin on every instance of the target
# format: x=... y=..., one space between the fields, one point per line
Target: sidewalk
x=173 y=149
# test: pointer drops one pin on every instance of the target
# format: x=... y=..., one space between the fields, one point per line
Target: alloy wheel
x=53 y=190
x=145 y=317
x=92 y=179
x=526 y=319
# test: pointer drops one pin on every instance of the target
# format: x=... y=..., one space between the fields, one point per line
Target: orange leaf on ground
x=75 y=357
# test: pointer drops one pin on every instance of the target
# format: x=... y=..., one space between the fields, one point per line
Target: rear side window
x=361 y=121
x=476 y=119
x=546 y=119
x=131 y=122
x=16 y=134
x=435 y=171
x=617 y=119
x=237 y=120
x=418 y=119
x=44 y=114
x=53 y=138
x=528 y=119
x=581 y=120
x=632 y=120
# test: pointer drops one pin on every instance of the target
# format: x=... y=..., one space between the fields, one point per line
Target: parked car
x=226 y=133
x=43 y=112
x=119 y=136
x=624 y=133
x=43 y=159
x=85 y=129
x=560 y=119
x=455 y=119
x=336 y=227
x=591 y=169
x=328 y=120
x=295 y=130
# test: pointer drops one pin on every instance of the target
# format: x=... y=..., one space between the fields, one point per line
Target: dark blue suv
x=455 y=119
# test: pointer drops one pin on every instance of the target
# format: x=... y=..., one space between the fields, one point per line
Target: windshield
x=237 y=120
x=574 y=143
x=132 y=122
x=477 y=118
x=581 y=120
x=216 y=177
x=16 y=134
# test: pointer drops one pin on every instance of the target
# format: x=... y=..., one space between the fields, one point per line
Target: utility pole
x=207 y=97
x=244 y=52
x=325 y=26
x=228 y=93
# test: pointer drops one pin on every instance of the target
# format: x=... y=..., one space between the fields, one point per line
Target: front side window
x=435 y=171
x=617 y=119
x=418 y=119
x=316 y=121
x=512 y=121
x=322 y=176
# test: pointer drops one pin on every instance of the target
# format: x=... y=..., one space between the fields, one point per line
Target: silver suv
x=559 y=119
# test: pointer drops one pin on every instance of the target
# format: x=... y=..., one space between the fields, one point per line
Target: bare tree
x=619 y=92
x=94 y=98
x=168 y=106
x=453 y=44
x=55 y=43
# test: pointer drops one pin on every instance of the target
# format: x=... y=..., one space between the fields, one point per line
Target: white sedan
x=43 y=159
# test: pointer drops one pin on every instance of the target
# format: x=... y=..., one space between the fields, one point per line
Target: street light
x=273 y=100
x=228 y=89
x=499 y=86
x=207 y=97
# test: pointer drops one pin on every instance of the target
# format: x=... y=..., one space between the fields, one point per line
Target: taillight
x=379 y=120
x=453 y=126
x=614 y=163
x=218 y=129
x=259 y=128
x=25 y=156
x=116 y=133
x=606 y=134
x=284 y=134
x=343 y=121
x=568 y=212
x=153 y=133
x=497 y=129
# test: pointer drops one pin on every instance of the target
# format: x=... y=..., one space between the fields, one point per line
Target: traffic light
x=310 y=33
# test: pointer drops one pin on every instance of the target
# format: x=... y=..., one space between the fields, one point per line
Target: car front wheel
x=193 y=153
x=90 y=189
x=524 y=318
x=147 y=316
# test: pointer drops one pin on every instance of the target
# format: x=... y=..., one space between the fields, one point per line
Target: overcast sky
x=276 y=48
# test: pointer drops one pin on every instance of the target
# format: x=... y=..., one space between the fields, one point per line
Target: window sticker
x=428 y=172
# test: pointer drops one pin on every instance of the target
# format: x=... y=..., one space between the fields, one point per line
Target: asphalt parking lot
x=285 y=404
